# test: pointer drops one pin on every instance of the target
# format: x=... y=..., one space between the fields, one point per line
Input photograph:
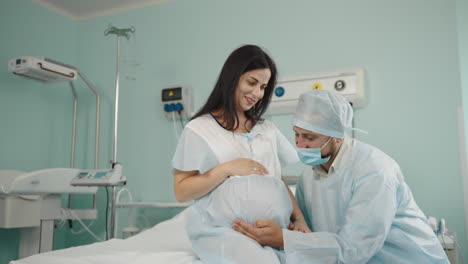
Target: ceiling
x=79 y=10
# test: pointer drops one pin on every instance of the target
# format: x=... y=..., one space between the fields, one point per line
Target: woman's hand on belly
x=243 y=167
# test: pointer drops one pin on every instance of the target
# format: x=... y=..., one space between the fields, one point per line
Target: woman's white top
x=204 y=144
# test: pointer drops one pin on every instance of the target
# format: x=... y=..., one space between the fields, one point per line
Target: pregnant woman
x=229 y=161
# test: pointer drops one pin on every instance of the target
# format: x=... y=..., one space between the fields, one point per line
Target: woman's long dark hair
x=244 y=59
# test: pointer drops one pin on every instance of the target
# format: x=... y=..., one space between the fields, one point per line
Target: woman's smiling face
x=251 y=88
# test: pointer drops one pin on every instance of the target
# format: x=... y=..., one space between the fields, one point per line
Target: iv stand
x=125 y=33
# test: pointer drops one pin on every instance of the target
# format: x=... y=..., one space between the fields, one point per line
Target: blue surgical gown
x=361 y=211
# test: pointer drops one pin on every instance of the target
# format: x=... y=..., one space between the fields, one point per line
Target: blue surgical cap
x=324 y=112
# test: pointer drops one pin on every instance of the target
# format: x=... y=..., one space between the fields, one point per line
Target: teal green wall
x=462 y=28
x=35 y=130
x=35 y=116
x=409 y=50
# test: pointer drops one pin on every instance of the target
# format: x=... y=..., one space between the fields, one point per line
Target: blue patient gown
x=362 y=211
x=203 y=145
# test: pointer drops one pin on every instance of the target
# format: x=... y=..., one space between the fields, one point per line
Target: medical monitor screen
x=171 y=94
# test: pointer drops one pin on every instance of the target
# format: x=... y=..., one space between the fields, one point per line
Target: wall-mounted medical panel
x=177 y=102
x=349 y=83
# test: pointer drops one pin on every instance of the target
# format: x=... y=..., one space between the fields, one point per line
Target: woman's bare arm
x=190 y=185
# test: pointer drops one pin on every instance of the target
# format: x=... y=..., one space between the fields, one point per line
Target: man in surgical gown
x=353 y=197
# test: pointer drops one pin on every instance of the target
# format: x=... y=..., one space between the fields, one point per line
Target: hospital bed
x=167 y=242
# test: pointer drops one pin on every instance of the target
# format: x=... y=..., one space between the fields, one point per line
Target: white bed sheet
x=166 y=242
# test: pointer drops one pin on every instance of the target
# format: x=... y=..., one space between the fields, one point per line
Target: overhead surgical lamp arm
x=98 y=107
x=96 y=147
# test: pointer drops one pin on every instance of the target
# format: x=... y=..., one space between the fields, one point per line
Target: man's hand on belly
x=265 y=232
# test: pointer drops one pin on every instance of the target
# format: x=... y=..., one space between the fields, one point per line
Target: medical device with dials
x=109 y=177
x=32 y=201
x=177 y=102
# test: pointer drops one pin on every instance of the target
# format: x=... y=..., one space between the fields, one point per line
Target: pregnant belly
x=248 y=198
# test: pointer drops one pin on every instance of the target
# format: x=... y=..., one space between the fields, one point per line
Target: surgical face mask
x=313 y=156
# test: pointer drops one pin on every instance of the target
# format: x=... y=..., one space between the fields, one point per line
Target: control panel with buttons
x=177 y=102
